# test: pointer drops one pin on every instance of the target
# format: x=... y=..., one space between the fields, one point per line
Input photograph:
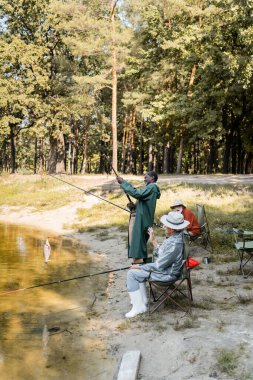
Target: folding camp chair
x=161 y=291
x=204 y=238
x=243 y=243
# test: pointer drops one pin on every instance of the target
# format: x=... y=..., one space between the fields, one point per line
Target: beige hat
x=174 y=220
x=177 y=202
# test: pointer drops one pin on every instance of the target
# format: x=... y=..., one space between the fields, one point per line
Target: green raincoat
x=145 y=211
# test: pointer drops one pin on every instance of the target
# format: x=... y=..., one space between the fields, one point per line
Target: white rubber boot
x=138 y=305
x=143 y=290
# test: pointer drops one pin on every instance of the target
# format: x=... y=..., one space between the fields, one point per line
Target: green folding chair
x=204 y=238
x=243 y=244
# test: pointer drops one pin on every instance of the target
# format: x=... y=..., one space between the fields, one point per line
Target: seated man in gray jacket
x=167 y=266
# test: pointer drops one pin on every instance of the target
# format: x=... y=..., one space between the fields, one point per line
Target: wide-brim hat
x=177 y=202
x=174 y=220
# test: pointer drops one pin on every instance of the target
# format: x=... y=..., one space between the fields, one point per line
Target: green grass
x=38 y=192
x=227 y=361
x=226 y=206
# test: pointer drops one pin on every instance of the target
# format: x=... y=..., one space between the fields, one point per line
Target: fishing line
x=97 y=196
x=88 y=192
x=60 y=281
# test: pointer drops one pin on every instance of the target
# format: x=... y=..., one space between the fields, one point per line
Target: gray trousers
x=134 y=277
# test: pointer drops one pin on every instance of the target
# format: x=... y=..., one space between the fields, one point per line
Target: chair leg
x=189 y=284
x=243 y=266
x=167 y=294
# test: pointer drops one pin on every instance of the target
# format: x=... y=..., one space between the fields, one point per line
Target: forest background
x=162 y=84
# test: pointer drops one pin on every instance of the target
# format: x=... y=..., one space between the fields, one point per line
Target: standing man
x=142 y=214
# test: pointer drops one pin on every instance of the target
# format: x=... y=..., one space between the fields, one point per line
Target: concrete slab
x=129 y=366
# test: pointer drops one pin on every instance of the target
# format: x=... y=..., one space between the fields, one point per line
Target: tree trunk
x=132 y=164
x=141 y=148
x=196 y=157
x=35 y=156
x=69 y=166
x=6 y=159
x=226 y=155
x=234 y=151
x=60 y=156
x=75 y=158
x=165 y=158
x=13 y=148
x=57 y=153
x=240 y=155
x=52 y=160
x=211 y=161
x=3 y=160
x=85 y=149
x=41 y=156
x=249 y=163
x=124 y=144
x=188 y=167
x=150 y=157
x=114 y=91
x=180 y=155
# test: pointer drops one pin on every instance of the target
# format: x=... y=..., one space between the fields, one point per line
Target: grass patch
x=248 y=287
x=40 y=193
x=160 y=328
x=228 y=272
x=125 y=325
x=188 y=323
x=227 y=361
x=207 y=303
x=221 y=259
x=244 y=299
x=103 y=235
x=220 y=326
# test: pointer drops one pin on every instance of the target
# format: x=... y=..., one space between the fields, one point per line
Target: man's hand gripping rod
x=128 y=197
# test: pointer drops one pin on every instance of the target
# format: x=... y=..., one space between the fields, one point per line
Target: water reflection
x=42 y=330
x=46 y=251
x=21 y=245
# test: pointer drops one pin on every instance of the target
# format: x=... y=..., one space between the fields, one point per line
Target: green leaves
x=183 y=63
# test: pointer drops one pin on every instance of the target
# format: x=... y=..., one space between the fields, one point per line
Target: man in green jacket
x=144 y=214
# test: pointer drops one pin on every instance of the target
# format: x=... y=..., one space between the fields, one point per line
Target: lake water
x=48 y=332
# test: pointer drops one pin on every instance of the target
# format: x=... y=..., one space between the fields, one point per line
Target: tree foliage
x=184 y=88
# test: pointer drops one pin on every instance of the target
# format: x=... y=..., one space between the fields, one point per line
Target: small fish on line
x=46 y=251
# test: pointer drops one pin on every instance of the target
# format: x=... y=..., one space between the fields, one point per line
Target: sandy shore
x=173 y=345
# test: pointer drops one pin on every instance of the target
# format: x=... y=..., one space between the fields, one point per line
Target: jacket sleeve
x=137 y=193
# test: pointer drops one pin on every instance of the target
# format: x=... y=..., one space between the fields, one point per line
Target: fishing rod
x=128 y=197
x=97 y=196
x=88 y=192
x=60 y=281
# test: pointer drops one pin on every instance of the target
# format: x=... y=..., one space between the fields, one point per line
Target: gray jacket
x=168 y=265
